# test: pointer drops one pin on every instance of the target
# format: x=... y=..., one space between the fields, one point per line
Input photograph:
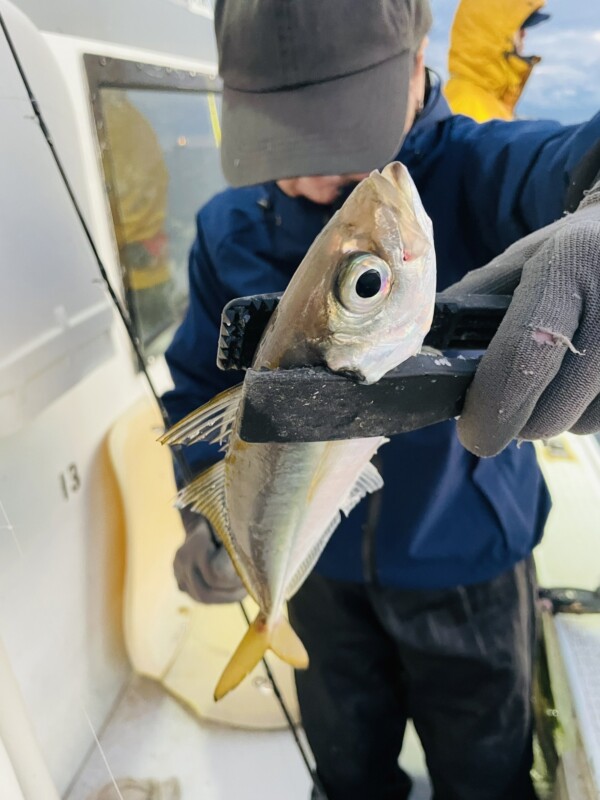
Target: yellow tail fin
x=260 y=637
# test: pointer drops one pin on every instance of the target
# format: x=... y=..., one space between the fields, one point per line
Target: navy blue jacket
x=447 y=517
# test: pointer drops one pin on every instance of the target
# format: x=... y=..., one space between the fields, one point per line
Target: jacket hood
x=482 y=48
x=436 y=107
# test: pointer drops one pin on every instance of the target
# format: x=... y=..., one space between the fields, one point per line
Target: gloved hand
x=541 y=373
x=203 y=569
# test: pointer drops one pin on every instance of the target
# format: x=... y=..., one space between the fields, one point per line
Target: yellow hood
x=482 y=58
x=139 y=176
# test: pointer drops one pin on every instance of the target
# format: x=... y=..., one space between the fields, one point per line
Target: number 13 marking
x=70 y=482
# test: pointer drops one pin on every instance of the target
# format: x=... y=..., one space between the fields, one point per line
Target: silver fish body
x=360 y=303
x=297 y=491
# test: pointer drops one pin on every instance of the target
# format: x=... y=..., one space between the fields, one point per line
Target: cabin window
x=159 y=136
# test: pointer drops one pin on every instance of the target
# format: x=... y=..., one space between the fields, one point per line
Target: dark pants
x=456 y=661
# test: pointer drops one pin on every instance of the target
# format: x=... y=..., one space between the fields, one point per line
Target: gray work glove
x=202 y=565
x=541 y=373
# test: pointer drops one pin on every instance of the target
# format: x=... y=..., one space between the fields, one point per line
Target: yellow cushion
x=182 y=644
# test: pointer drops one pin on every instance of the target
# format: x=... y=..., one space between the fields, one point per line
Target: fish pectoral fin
x=212 y=422
x=260 y=637
x=369 y=481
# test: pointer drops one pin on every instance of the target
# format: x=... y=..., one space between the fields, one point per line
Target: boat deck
x=152 y=735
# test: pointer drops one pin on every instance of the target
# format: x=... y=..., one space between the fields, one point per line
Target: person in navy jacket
x=423 y=607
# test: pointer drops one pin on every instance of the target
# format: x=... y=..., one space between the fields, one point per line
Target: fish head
x=382 y=293
x=362 y=300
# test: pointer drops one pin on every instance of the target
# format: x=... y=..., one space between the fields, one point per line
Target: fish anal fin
x=259 y=638
x=310 y=559
x=206 y=495
x=308 y=549
x=368 y=481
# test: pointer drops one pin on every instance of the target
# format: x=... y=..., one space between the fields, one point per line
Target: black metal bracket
x=460 y=323
x=310 y=404
x=313 y=405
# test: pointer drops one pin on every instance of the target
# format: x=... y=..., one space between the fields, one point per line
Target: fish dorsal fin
x=311 y=558
x=206 y=495
x=212 y=422
x=369 y=481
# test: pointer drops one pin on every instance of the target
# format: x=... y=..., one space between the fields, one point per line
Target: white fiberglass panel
x=55 y=316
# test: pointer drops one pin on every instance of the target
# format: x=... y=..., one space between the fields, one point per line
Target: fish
x=359 y=304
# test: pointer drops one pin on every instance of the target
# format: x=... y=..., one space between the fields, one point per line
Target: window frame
x=112 y=72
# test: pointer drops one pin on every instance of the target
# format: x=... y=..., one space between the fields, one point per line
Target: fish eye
x=368 y=284
x=364 y=281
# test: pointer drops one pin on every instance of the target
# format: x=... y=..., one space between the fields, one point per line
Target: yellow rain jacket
x=139 y=185
x=487 y=77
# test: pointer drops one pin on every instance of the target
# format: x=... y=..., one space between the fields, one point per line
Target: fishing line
x=113 y=295
x=102 y=753
x=135 y=343
x=11 y=529
x=277 y=692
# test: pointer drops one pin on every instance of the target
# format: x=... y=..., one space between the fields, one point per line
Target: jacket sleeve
x=517 y=174
x=214 y=279
x=464 y=97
